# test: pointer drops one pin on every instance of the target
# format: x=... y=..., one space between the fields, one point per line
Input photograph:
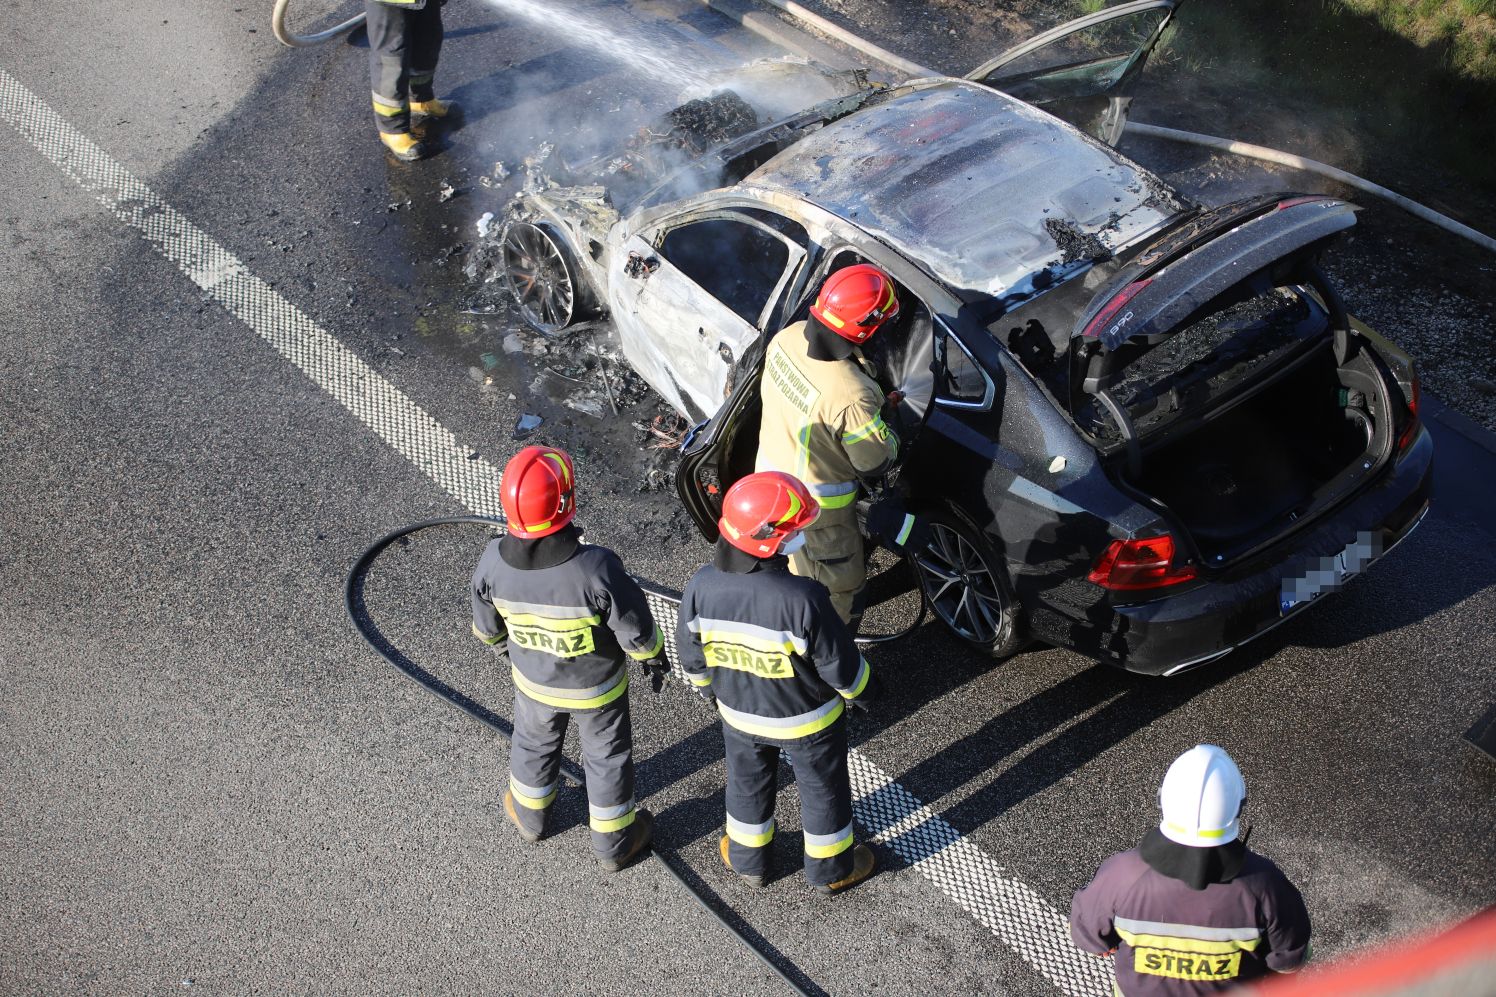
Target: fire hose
x=286 y=36
x=358 y=615
x=838 y=33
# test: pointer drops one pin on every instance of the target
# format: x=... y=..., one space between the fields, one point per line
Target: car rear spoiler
x=1147 y=304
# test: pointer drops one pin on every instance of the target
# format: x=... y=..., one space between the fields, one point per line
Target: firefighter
x=768 y=650
x=405 y=40
x=570 y=616
x=823 y=423
x=1192 y=910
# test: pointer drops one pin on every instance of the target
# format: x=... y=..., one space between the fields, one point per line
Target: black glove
x=656 y=668
x=895 y=527
x=706 y=693
x=870 y=693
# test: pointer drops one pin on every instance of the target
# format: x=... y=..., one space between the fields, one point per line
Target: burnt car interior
x=735 y=262
x=1247 y=417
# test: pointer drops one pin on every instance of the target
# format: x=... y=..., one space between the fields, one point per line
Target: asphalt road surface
x=211 y=784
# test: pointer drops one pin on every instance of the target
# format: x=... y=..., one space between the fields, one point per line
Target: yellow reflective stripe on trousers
x=783 y=728
x=607 y=819
x=654 y=649
x=573 y=699
x=530 y=797
x=750 y=835
x=860 y=683
x=700 y=681
x=387 y=107
x=485 y=638
x=825 y=846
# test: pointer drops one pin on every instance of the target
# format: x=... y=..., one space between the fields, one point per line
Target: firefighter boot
x=437 y=110
x=641 y=833
x=862 y=867
x=403 y=146
x=524 y=832
x=758 y=880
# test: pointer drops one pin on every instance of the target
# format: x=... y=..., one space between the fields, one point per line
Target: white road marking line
x=381 y=406
x=1009 y=909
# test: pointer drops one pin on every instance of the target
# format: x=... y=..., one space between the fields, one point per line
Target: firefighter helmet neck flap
x=763 y=510
x=1201 y=798
x=855 y=301
x=538 y=492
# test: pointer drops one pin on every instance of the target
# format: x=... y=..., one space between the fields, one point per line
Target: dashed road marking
x=892 y=815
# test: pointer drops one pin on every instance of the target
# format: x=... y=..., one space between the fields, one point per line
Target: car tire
x=966 y=585
x=541 y=273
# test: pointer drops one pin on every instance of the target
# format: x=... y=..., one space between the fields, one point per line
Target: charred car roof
x=985 y=190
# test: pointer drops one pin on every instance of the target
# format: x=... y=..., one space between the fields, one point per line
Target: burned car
x=1138 y=427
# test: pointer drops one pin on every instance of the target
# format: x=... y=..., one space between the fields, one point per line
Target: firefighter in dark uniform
x=405 y=41
x=1192 y=910
x=769 y=650
x=571 y=617
x=822 y=422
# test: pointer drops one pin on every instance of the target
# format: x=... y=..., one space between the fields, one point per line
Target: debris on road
x=485 y=224
x=526 y=425
x=444 y=193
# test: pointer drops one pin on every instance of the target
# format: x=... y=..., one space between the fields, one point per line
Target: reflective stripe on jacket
x=570 y=627
x=1174 y=940
x=822 y=420
x=775 y=654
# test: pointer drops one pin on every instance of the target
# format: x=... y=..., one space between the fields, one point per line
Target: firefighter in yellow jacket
x=823 y=423
x=405 y=40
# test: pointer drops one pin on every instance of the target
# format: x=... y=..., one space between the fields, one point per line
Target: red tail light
x=1133 y=565
x=1411 y=429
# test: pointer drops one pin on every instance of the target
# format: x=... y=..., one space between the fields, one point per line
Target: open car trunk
x=1250 y=472
x=1223 y=381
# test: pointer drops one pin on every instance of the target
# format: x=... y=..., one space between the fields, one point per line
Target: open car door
x=1084 y=71
x=902 y=358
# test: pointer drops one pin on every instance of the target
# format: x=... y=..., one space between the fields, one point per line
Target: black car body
x=1138 y=427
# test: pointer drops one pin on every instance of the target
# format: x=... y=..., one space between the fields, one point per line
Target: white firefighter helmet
x=1201 y=798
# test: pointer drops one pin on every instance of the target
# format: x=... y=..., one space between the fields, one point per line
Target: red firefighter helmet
x=538 y=492
x=855 y=301
x=760 y=512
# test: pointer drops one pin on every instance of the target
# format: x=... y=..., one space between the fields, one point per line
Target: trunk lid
x=1222 y=381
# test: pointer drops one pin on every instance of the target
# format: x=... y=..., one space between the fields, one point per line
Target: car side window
x=962 y=379
x=735 y=262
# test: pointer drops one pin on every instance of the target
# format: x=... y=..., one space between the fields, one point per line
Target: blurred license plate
x=1329 y=574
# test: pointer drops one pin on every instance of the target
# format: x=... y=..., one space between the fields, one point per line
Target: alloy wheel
x=537 y=275
x=961 y=587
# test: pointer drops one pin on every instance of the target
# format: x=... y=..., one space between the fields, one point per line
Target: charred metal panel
x=966 y=179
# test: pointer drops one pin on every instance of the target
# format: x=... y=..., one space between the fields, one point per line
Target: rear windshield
x=1214 y=351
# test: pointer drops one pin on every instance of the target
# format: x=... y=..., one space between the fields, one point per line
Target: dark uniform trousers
x=820 y=764
x=405 y=40
x=607 y=756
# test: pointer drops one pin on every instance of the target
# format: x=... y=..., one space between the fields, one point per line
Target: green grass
x=1465 y=28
